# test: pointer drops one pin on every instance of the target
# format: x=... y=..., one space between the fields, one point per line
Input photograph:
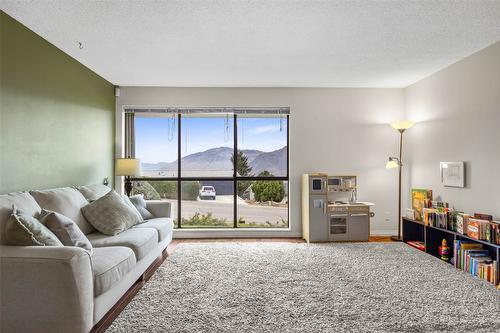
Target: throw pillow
x=109 y=214
x=140 y=204
x=131 y=205
x=25 y=230
x=67 y=201
x=65 y=229
x=94 y=191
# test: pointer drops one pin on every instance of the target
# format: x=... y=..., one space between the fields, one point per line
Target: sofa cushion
x=140 y=204
x=25 y=230
x=65 y=229
x=110 y=214
x=140 y=240
x=23 y=201
x=163 y=226
x=67 y=201
x=110 y=265
x=93 y=191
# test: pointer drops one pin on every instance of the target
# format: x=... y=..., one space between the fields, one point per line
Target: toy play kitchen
x=330 y=210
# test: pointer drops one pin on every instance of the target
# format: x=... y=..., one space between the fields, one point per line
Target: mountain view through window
x=211 y=190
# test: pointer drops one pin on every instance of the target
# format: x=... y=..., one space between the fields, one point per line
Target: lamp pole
x=398 y=237
x=128 y=186
x=401 y=126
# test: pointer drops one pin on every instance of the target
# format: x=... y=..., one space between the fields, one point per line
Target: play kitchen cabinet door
x=317 y=218
x=359 y=226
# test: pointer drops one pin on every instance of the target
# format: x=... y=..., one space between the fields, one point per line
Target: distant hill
x=217 y=159
x=274 y=162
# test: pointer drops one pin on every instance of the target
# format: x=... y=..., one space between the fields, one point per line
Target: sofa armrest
x=158 y=208
x=45 y=289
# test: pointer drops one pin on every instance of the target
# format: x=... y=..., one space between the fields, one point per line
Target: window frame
x=235 y=178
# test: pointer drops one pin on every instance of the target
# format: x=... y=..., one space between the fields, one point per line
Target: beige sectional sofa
x=65 y=289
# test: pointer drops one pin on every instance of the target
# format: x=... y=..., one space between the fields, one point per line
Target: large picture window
x=218 y=169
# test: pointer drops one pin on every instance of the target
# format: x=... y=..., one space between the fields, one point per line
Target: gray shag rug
x=286 y=287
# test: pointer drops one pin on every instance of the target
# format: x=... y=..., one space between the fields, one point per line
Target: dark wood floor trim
x=113 y=313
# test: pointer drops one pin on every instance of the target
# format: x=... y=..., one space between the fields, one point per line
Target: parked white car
x=207 y=192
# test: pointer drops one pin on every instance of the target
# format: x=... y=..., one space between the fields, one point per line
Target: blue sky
x=155 y=144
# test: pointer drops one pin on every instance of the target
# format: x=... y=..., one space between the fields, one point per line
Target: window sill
x=237 y=233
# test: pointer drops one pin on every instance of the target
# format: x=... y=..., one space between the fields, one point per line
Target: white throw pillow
x=23 y=201
x=139 y=203
x=25 y=230
x=129 y=203
x=93 y=192
x=110 y=214
x=65 y=229
x=67 y=201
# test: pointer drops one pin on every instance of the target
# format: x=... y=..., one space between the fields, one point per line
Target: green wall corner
x=56 y=116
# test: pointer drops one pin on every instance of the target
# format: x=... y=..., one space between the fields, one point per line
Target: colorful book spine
x=478 y=229
x=462 y=221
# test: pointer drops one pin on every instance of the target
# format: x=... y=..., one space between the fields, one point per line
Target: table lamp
x=128 y=167
x=396 y=162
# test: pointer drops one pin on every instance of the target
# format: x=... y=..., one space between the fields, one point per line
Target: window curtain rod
x=236 y=110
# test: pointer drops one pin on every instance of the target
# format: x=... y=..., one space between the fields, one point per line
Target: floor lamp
x=396 y=162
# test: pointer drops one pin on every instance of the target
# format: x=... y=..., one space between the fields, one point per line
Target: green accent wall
x=56 y=115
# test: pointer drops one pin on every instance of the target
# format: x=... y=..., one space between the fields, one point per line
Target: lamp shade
x=402 y=125
x=128 y=167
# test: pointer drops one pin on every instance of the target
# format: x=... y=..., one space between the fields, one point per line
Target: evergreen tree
x=243 y=168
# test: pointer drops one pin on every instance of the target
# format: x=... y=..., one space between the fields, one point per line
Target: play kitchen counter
x=327 y=218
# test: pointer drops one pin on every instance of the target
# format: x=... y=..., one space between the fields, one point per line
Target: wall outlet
x=387 y=217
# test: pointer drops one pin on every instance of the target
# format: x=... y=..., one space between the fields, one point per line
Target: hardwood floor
x=105 y=322
x=380 y=239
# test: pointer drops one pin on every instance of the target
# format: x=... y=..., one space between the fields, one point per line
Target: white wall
x=337 y=131
x=458 y=109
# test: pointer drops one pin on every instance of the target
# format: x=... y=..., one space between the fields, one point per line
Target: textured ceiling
x=263 y=43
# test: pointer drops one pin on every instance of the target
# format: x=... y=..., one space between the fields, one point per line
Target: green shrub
x=272 y=190
x=166 y=189
x=144 y=187
x=201 y=220
x=190 y=190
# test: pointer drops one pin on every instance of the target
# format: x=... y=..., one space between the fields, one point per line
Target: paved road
x=222 y=207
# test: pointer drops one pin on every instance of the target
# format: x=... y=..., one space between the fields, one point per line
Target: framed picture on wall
x=453 y=174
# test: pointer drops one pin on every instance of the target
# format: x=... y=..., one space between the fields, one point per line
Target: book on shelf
x=420 y=199
x=410 y=213
x=439 y=204
x=462 y=220
x=482 y=216
x=417 y=244
x=458 y=250
x=452 y=223
x=435 y=218
x=473 y=258
x=495 y=232
x=478 y=229
x=471 y=255
x=462 y=223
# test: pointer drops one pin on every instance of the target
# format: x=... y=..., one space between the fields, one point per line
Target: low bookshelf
x=432 y=237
